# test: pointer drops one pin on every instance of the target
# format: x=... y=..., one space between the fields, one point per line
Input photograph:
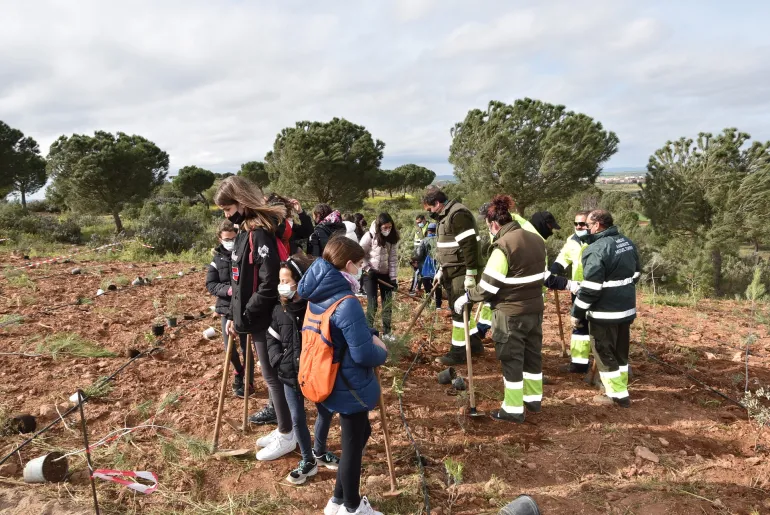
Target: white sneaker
x=268 y=438
x=332 y=508
x=364 y=508
x=281 y=446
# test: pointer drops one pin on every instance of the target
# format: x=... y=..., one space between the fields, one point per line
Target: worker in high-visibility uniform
x=457 y=250
x=485 y=316
x=607 y=299
x=512 y=282
x=570 y=255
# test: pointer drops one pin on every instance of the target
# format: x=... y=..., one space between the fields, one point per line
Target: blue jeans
x=296 y=403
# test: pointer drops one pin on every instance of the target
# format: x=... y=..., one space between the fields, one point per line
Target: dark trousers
x=274 y=385
x=455 y=287
x=427 y=284
x=296 y=402
x=518 y=346
x=355 y=433
x=416 y=281
x=234 y=358
x=386 y=294
x=610 y=344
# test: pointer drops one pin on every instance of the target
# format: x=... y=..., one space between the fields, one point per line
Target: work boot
x=265 y=416
x=573 y=368
x=453 y=357
x=534 y=407
x=501 y=416
x=238 y=386
x=625 y=402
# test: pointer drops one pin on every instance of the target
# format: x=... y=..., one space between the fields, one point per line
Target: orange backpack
x=317 y=372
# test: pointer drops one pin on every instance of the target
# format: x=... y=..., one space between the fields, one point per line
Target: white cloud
x=214 y=82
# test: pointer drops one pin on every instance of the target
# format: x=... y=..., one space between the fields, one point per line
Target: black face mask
x=236 y=218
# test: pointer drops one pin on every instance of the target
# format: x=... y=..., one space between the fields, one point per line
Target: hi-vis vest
x=571 y=254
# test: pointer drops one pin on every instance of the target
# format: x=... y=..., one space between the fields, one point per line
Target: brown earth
x=574 y=457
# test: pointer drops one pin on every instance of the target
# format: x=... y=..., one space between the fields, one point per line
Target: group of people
x=605 y=268
x=267 y=290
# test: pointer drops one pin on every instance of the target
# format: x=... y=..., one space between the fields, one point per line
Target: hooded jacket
x=611 y=269
x=218 y=279
x=350 y=231
x=383 y=260
x=284 y=340
x=323 y=232
x=323 y=285
x=254 y=280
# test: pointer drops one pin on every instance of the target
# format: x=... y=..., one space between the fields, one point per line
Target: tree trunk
x=520 y=208
x=716 y=261
x=118 y=223
x=23 y=199
x=205 y=202
x=756 y=243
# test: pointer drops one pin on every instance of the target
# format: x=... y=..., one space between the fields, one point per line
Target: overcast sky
x=213 y=82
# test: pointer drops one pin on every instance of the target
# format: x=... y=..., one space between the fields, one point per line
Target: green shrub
x=66 y=231
x=175 y=228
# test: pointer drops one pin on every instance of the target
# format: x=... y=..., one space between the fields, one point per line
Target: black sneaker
x=266 y=416
x=533 y=407
x=239 y=390
x=328 y=460
x=501 y=416
x=625 y=402
x=238 y=386
x=574 y=368
x=452 y=357
x=303 y=471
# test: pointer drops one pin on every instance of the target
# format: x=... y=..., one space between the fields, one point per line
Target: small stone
x=47 y=413
x=645 y=453
x=9 y=470
x=710 y=355
x=754 y=461
x=570 y=401
x=75 y=271
x=663 y=442
x=738 y=356
x=531 y=466
x=180 y=274
x=682 y=453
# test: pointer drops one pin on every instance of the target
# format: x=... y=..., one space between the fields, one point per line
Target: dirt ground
x=705 y=455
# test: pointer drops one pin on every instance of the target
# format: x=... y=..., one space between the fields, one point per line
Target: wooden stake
x=222 y=389
x=561 y=327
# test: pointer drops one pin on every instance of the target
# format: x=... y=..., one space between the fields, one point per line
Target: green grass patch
x=19 y=279
x=101 y=388
x=7 y=320
x=72 y=344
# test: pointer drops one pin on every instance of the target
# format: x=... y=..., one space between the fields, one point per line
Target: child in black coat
x=284 y=346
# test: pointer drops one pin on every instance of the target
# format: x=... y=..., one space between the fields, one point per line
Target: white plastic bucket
x=209 y=333
x=46 y=469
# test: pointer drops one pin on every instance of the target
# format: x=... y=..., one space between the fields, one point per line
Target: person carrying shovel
x=512 y=283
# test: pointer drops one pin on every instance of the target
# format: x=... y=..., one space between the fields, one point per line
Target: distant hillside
x=443 y=179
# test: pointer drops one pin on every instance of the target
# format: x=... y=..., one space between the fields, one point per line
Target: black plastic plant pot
x=20 y=424
x=171 y=321
x=158 y=329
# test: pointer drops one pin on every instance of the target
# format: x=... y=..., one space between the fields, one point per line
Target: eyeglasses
x=581 y=224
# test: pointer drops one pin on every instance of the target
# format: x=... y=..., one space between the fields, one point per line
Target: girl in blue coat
x=356 y=390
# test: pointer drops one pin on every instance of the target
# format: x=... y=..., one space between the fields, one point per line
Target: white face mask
x=228 y=245
x=386 y=233
x=581 y=233
x=285 y=290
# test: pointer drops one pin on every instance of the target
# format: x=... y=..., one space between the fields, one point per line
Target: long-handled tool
x=247 y=384
x=222 y=390
x=478 y=312
x=472 y=395
x=421 y=308
x=561 y=327
x=386 y=433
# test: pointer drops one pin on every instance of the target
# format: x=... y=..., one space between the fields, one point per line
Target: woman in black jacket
x=284 y=346
x=218 y=284
x=327 y=223
x=254 y=281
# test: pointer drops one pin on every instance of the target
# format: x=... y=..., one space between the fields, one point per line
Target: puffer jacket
x=611 y=269
x=323 y=285
x=383 y=260
x=322 y=233
x=218 y=279
x=350 y=231
x=284 y=340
